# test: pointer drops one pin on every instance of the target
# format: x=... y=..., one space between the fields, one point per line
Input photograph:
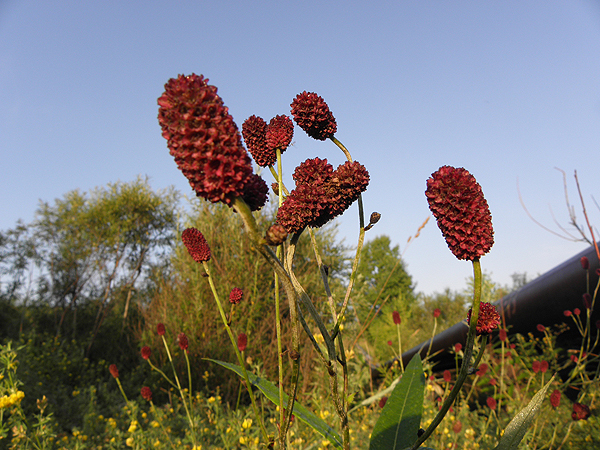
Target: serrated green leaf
x=302 y=413
x=400 y=419
x=518 y=426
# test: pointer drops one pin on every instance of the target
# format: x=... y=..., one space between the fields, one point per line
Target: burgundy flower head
x=491 y=402
x=203 y=138
x=113 y=370
x=555 y=398
x=146 y=393
x=321 y=193
x=488 y=319
x=160 y=329
x=587 y=301
x=437 y=312
x=462 y=213
x=312 y=114
x=585 y=263
x=255 y=192
x=279 y=133
x=242 y=342
x=146 y=352
x=580 y=412
x=196 y=244
x=396 y=317
x=182 y=340
x=235 y=296
x=254 y=130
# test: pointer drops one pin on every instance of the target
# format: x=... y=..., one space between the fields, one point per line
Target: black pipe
x=541 y=301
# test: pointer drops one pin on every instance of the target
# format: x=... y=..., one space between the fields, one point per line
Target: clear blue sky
x=509 y=90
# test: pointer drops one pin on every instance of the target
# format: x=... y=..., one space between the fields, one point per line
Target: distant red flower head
x=255 y=192
x=491 y=402
x=196 y=244
x=541 y=328
x=113 y=370
x=493 y=382
x=182 y=340
x=567 y=313
x=235 y=296
x=457 y=426
x=146 y=352
x=587 y=301
x=576 y=311
x=585 y=263
x=390 y=343
x=160 y=329
x=574 y=359
x=544 y=365
x=580 y=412
x=536 y=366
x=457 y=347
x=242 y=342
x=462 y=213
x=502 y=335
x=396 y=317
x=312 y=114
x=555 y=398
x=146 y=393
x=447 y=376
x=482 y=369
x=488 y=319
x=382 y=401
x=279 y=133
x=203 y=138
x=254 y=130
x=436 y=312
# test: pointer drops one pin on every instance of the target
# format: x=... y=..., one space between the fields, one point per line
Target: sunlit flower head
x=312 y=114
x=196 y=244
x=488 y=319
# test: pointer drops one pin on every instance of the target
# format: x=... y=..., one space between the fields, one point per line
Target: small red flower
x=482 y=369
x=312 y=114
x=567 y=313
x=383 y=401
x=160 y=329
x=396 y=317
x=196 y=244
x=436 y=313
x=146 y=352
x=574 y=359
x=585 y=263
x=536 y=366
x=146 y=393
x=544 y=366
x=491 y=402
x=235 y=296
x=457 y=347
x=488 y=319
x=502 y=335
x=493 y=382
x=462 y=213
x=555 y=398
x=182 y=340
x=447 y=376
x=587 y=301
x=457 y=426
x=242 y=342
x=113 y=370
x=254 y=130
x=576 y=311
x=541 y=328
x=390 y=343
x=580 y=412
x=279 y=133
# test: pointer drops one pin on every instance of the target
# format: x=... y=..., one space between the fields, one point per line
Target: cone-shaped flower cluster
x=160 y=329
x=204 y=139
x=235 y=296
x=242 y=342
x=321 y=193
x=312 y=114
x=182 y=340
x=196 y=244
x=113 y=370
x=263 y=140
x=488 y=319
x=146 y=352
x=146 y=393
x=462 y=213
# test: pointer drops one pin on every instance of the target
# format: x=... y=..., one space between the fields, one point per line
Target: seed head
x=235 y=296
x=462 y=213
x=196 y=244
x=488 y=319
x=279 y=133
x=146 y=393
x=312 y=114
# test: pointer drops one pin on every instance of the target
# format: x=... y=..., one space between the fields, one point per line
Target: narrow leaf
x=518 y=426
x=400 y=419
x=272 y=393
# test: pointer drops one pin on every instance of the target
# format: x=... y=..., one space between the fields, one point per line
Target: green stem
x=466 y=363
